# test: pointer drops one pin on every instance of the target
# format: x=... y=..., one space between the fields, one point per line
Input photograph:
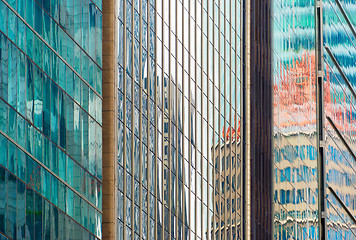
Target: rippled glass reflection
x=295 y=159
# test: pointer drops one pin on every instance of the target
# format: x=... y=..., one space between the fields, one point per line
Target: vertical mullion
x=140 y=123
x=320 y=119
x=231 y=128
x=177 y=121
x=207 y=110
x=124 y=119
x=132 y=173
x=214 y=124
x=156 y=130
x=169 y=120
x=148 y=13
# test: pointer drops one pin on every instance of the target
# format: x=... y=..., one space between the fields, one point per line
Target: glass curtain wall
x=50 y=119
x=340 y=124
x=294 y=129
x=295 y=155
x=179 y=117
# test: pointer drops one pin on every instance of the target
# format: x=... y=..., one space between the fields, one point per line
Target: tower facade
x=50 y=119
x=179 y=72
x=314 y=161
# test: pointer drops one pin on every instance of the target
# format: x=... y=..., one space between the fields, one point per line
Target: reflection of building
x=109 y=109
x=50 y=119
x=296 y=138
x=167 y=80
x=228 y=177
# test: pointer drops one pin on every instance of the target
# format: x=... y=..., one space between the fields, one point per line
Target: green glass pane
x=21 y=164
x=38 y=215
x=4 y=59
x=12 y=75
x=3 y=150
x=54 y=112
x=47 y=106
x=29 y=91
x=21 y=84
x=12 y=26
x=61 y=196
x=12 y=124
x=21 y=131
x=69 y=202
x=29 y=43
x=3 y=15
x=38 y=103
x=54 y=159
x=21 y=209
x=12 y=159
x=30 y=212
x=62 y=119
x=62 y=165
x=54 y=191
x=4 y=116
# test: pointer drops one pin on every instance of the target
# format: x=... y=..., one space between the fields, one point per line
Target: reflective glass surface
x=50 y=104
x=179 y=119
x=294 y=129
x=339 y=101
x=296 y=199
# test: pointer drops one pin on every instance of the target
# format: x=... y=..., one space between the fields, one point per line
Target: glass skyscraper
x=177 y=119
x=314 y=105
x=179 y=71
x=50 y=119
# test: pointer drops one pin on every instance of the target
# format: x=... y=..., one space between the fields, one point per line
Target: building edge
x=109 y=112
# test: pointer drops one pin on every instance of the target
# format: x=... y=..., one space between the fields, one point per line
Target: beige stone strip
x=109 y=222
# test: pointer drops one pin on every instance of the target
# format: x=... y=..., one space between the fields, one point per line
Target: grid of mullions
x=172 y=113
x=30 y=50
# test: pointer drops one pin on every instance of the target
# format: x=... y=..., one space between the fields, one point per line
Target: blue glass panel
x=12 y=75
x=54 y=9
x=12 y=161
x=30 y=213
x=54 y=158
x=39 y=216
x=38 y=18
x=54 y=112
x=21 y=165
x=54 y=190
x=21 y=86
x=62 y=119
x=11 y=206
x=45 y=183
x=12 y=26
x=3 y=15
x=46 y=106
x=4 y=116
x=3 y=200
x=62 y=165
x=70 y=202
x=38 y=103
x=29 y=91
x=54 y=64
x=29 y=42
x=69 y=126
x=62 y=196
x=46 y=152
x=21 y=210
x=54 y=38
x=4 y=58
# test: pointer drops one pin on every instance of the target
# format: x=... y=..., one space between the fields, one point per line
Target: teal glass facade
x=50 y=119
x=295 y=123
